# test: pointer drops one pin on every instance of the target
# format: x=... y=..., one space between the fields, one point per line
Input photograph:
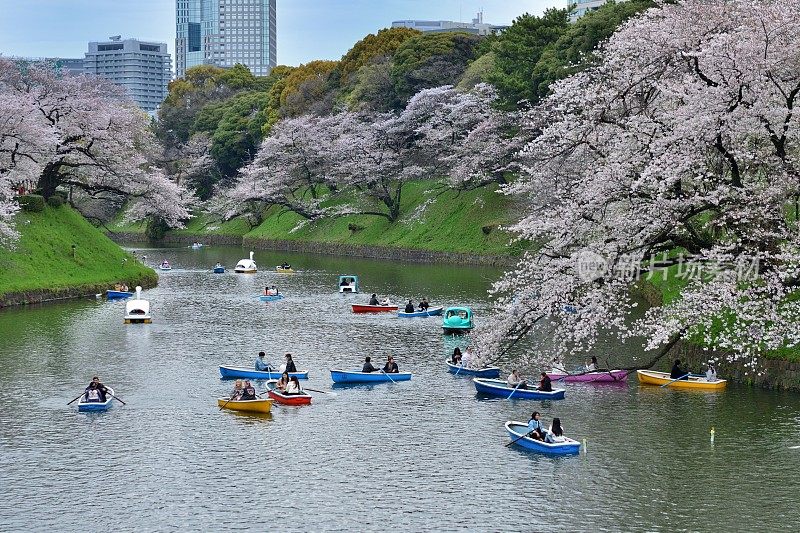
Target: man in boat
x=423 y=304
x=261 y=364
x=390 y=367
x=516 y=381
x=368 y=366
x=677 y=372
x=248 y=392
x=410 y=307
x=101 y=389
x=373 y=300
x=285 y=265
x=290 y=367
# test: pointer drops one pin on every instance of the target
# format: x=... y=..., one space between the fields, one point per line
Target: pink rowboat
x=374 y=308
x=608 y=376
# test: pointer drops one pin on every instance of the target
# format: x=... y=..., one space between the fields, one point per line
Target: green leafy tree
x=384 y=44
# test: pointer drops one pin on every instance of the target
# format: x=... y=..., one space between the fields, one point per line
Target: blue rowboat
x=86 y=407
x=219 y=270
x=518 y=429
x=488 y=372
x=118 y=295
x=340 y=376
x=498 y=387
x=270 y=297
x=432 y=311
x=234 y=372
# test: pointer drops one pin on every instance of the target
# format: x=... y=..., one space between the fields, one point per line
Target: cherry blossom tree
x=78 y=132
x=682 y=141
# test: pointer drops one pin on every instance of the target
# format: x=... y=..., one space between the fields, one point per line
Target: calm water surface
x=422 y=455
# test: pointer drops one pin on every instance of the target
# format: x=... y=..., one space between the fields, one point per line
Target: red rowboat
x=289 y=399
x=374 y=308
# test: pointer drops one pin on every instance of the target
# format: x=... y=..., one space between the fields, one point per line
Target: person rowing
x=293 y=387
x=410 y=307
x=367 y=368
x=677 y=372
x=390 y=367
x=545 y=385
x=238 y=389
x=456 y=358
x=285 y=266
x=248 y=392
x=373 y=300
x=423 y=304
x=261 y=363
x=515 y=380
x=96 y=385
x=535 y=429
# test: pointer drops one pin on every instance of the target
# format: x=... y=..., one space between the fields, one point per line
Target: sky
x=307 y=29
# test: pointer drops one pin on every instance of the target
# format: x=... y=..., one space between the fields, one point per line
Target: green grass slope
x=42 y=259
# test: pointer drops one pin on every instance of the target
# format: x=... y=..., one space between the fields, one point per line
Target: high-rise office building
x=144 y=69
x=224 y=33
x=477 y=26
x=581 y=7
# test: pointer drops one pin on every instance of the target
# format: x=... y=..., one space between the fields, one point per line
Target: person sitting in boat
x=410 y=307
x=345 y=282
x=261 y=363
x=711 y=373
x=592 y=365
x=368 y=366
x=390 y=367
x=555 y=433
x=293 y=387
x=456 y=358
x=677 y=372
x=218 y=265
x=386 y=301
x=285 y=266
x=248 y=392
x=424 y=305
x=373 y=300
x=466 y=358
x=535 y=429
x=545 y=385
x=282 y=382
x=238 y=388
x=101 y=389
x=516 y=381
x=91 y=394
x=290 y=367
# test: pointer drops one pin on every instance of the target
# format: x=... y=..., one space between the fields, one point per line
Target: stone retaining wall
x=51 y=295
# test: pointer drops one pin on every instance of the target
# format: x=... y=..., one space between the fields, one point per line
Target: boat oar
x=120 y=401
x=513 y=391
x=519 y=438
x=322 y=391
x=388 y=376
x=81 y=394
x=226 y=403
x=459 y=369
x=674 y=380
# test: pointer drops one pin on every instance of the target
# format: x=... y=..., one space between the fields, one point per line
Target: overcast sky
x=307 y=29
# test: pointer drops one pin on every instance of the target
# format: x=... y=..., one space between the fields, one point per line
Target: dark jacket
x=676 y=372
x=249 y=393
x=373 y=301
x=390 y=368
x=409 y=308
x=290 y=366
x=545 y=385
x=100 y=387
x=369 y=368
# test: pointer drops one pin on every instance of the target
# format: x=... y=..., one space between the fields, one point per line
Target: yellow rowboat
x=282 y=270
x=648 y=377
x=251 y=406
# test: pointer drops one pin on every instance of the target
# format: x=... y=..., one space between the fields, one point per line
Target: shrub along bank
x=61 y=255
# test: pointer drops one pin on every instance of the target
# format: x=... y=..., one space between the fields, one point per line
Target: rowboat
x=97 y=406
x=457 y=320
x=487 y=372
x=498 y=387
x=608 y=376
x=374 y=308
x=288 y=399
x=246 y=266
x=518 y=429
x=219 y=269
x=233 y=372
x=648 y=377
x=282 y=270
x=118 y=295
x=341 y=376
x=270 y=297
x=259 y=405
x=433 y=311
x=165 y=266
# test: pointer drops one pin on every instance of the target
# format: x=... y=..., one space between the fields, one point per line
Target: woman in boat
x=281 y=383
x=101 y=389
x=516 y=381
x=410 y=307
x=390 y=367
x=248 y=392
x=711 y=373
x=238 y=389
x=535 y=429
x=91 y=394
x=367 y=368
x=285 y=266
x=545 y=385
x=373 y=300
x=261 y=364
x=677 y=372
x=456 y=359
x=290 y=364
x=293 y=387
x=466 y=358
x=592 y=366
x=555 y=433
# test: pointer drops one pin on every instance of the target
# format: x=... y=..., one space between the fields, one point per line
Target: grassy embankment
x=41 y=264
x=466 y=222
